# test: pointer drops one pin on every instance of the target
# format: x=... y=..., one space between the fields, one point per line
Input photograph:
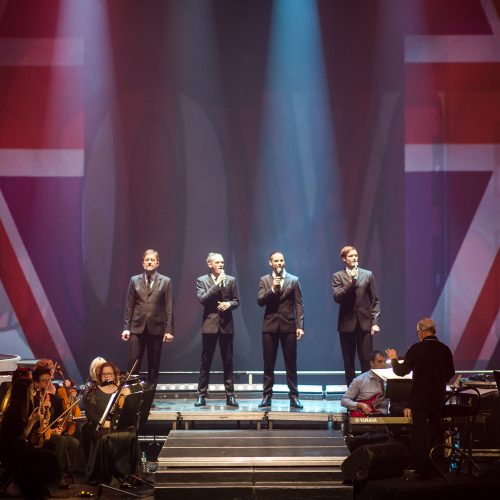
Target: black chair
x=455 y=424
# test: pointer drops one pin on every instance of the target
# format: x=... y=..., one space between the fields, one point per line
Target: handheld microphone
x=279 y=274
x=223 y=281
x=355 y=270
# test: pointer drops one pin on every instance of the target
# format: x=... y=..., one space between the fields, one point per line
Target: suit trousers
x=138 y=344
x=350 y=342
x=209 y=342
x=424 y=436
x=270 y=343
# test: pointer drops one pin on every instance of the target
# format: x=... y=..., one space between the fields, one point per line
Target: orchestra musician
x=32 y=469
x=94 y=365
x=52 y=431
x=48 y=364
x=5 y=387
x=109 y=453
x=365 y=394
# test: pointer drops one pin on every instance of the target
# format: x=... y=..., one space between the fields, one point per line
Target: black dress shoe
x=266 y=402
x=200 y=401
x=231 y=401
x=295 y=403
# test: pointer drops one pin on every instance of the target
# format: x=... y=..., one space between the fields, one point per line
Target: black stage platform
x=251 y=464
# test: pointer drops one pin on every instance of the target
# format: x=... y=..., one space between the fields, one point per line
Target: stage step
x=252 y=464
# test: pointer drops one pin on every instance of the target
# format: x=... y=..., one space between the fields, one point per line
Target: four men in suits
x=149 y=319
x=356 y=292
x=283 y=323
x=218 y=294
x=149 y=315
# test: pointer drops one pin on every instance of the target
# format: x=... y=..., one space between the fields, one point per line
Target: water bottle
x=143 y=462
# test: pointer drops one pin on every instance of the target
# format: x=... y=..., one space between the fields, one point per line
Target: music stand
x=147 y=403
x=130 y=413
x=129 y=419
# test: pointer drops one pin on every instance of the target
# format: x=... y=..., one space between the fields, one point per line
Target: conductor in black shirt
x=432 y=364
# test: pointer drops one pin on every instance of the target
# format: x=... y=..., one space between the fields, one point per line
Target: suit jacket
x=358 y=300
x=209 y=295
x=152 y=307
x=285 y=310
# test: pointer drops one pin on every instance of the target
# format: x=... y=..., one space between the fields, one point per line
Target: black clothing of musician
x=32 y=469
x=110 y=455
x=432 y=364
x=65 y=446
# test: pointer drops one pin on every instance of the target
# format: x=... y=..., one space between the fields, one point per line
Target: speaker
x=376 y=461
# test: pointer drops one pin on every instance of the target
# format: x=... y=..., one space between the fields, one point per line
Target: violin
x=42 y=432
x=67 y=393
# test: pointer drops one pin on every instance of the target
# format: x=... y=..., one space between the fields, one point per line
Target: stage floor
x=181 y=412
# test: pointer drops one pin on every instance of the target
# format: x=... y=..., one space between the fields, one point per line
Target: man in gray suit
x=218 y=294
x=356 y=292
x=149 y=315
x=283 y=323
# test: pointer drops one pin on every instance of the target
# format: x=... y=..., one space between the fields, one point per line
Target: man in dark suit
x=149 y=315
x=431 y=362
x=218 y=294
x=356 y=292
x=283 y=323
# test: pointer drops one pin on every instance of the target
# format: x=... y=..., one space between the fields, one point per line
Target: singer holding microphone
x=218 y=294
x=354 y=289
x=283 y=323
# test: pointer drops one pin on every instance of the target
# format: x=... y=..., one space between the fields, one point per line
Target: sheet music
x=388 y=374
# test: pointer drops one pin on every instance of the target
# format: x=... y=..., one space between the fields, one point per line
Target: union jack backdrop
x=192 y=127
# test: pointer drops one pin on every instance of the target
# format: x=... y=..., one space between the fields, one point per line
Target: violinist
x=5 y=387
x=51 y=432
x=97 y=400
x=32 y=469
x=92 y=380
x=109 y=453
x=48 y=364
x=94 y=365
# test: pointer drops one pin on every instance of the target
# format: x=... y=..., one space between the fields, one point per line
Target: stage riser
x=252 y=464
x=292 y=492
x=247 y=476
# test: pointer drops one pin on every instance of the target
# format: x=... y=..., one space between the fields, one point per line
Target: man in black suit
x=283 y=323
x=432 y=364
x=356 y=292
x=149 y=315
x=218 y=294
